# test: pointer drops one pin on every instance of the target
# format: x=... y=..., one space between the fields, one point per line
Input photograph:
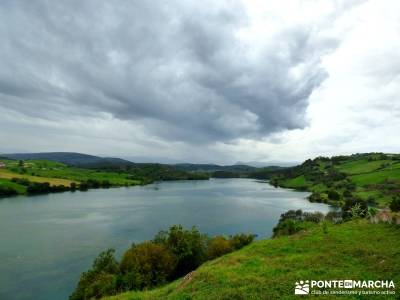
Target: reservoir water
x=46 y=241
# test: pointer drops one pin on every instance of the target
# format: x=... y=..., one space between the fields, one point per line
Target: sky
x=200 y=81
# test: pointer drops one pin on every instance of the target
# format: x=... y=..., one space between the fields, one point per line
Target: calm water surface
x=47 y=241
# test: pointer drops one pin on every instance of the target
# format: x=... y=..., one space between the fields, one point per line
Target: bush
x=315 y=217
x=238 y=241
x=100 y=280
x=148 y=264
x=292 y=221
x=395 y=204
x=21 y=181
x=6 y=191
x=292 y=215
x=44 y=188
x=38 y=188
x=288 y=227
x=171 y=254
x=218 y=246
x=354 y=206
x=347 y=194
x=189 y=246
x=334 y=217
x=315 y=197
x=73 y=186
x=333 y=195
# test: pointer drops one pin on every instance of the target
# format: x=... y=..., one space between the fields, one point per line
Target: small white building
x=2 y=165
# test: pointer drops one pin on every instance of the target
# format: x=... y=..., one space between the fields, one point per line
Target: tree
x=218 y=246
x=238 y=241
x=189 y=246
x=100 y=280
x=148 y=264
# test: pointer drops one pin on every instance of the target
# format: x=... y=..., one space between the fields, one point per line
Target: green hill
x=268 y=269
x=373 y=177
x=43 y=176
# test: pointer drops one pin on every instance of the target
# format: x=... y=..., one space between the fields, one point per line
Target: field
x=41 y=171
x=372 y=177
x=268 y=269
x=7 y=174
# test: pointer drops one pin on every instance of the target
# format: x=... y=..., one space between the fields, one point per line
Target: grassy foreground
x=268 y=269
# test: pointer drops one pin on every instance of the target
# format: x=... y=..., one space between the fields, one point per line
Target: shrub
x=172 y=253
x=218 y=246
x=238 y=241
x=315 y=217
x=189 y=247
x=347 y=194
x=357 y=211
x=288 y=227
x=6 y=191
x=395 y=204
x=21 y=181
x=38 y=188
x=73 y=186
x=333 y=195
x=83 y=186
x=148 y=264
x=294 y=221
x=315 y=197
x=292 y=215
x=100 y=280
x=334 y=217
x=372 y=211
x=354 y=206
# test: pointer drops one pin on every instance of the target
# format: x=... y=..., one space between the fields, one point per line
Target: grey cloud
x=177 y=67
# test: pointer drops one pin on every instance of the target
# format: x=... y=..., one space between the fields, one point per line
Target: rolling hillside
x=33 y=176
x=373 y=177
x=268 y=269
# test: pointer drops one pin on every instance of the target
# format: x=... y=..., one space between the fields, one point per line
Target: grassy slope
x=268 y=269
x=7 y=174
x=56 y=174
x=365 y=174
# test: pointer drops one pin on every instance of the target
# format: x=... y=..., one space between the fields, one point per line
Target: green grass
x=362 y=166
x=268 y=269
x=7 y=183
x=296 y=182
x=376 y=177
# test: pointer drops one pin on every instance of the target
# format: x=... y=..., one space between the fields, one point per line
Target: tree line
x=168 y=256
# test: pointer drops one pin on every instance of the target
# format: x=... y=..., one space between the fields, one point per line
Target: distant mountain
x=260 y=164
x=214 y=167
x=70 y=158
x=98 y=162
x=151 y=159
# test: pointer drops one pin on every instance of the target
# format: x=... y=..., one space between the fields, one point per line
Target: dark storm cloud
x=176 y=67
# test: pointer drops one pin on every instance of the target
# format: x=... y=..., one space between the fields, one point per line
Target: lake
x=46 y=241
